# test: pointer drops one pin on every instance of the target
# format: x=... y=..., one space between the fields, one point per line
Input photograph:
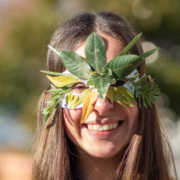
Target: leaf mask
x=86 y=80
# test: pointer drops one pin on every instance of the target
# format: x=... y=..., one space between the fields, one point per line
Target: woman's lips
x=103 y=131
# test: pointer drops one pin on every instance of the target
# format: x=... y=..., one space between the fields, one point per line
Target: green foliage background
x=23 y=53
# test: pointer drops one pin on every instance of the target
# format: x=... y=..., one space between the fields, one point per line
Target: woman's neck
x=86 y=167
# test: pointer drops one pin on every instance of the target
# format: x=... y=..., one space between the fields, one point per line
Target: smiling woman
x=110 y=126
x=98 y=119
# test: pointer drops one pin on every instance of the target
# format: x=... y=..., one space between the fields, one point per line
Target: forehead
x=113 y=47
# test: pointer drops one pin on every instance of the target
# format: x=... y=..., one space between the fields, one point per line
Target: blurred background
x=26 y=27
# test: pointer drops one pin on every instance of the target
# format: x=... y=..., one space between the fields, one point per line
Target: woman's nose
x=103 y=107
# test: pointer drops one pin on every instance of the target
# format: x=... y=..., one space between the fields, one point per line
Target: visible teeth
x=99 y=127
x=90 y=127
x=115 y=125
x=105 y=127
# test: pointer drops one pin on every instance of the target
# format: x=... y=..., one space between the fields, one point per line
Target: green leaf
x=54 y=50
x=95 y=51
x=133 y=78
x=75 y=64
x=141 y=80
x=122 y=66
x=148 y=100
x=56 y=73
x=61 y=81
x=101 y=82
x=52 y=73
x=55 y=90
x=144 y=102
x=130 y=45
x=148 y=53
x=147 y=93
x=146 y=86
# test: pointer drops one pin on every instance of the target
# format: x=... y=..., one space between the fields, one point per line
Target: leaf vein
x=76 y=64
x=96 y=57
x=122 y=67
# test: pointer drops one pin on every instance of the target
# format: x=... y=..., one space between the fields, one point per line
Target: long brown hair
x=145 y=158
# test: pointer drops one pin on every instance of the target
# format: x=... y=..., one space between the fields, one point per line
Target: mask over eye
x=85 y=81
x=74 y=98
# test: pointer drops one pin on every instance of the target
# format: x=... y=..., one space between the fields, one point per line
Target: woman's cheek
x=71 y=120
x=72 y=115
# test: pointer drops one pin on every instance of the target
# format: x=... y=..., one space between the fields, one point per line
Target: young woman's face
x=119 y=125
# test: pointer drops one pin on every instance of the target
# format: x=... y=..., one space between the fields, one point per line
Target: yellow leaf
x=127 y=94
x=128 y=102
x=110 y=94
x=93 y=97
x=72 y=97
x=87 y=108
x=76 y=98
x=82 y=97
x=118 y=97
x=68 y=98
x=61 y=81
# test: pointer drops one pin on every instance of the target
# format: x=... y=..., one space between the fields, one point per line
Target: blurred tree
x=22 y=57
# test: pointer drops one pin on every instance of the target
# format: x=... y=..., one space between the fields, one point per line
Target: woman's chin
x=103 y=152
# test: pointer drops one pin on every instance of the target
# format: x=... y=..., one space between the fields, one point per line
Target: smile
x=105 y=127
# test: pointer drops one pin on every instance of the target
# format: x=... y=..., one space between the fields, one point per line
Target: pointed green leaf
x=54 y=50
x=122 y=66
x=148 y=53
x=144 y=102
x=133 y=78
x=146 y=86
x=56 y=73
x=52 y=73
x=130 y=45
x=148 y=100
x=75 y=64
x=101 y=82
x=95 y=51
x=141 y=80
x=55 y=90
